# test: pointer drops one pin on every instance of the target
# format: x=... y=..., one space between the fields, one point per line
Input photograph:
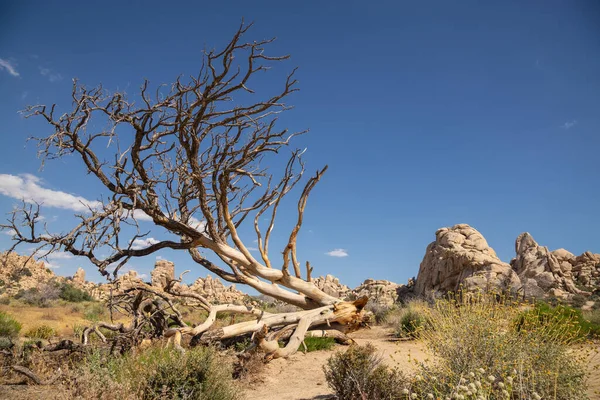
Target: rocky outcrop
x=586 y=270
x=542 y=271
x=379 y=292
x=332 y=286
x=79 y=277
x=216 y=292
x=163 y=273
x=460 y=255
x=22 y=272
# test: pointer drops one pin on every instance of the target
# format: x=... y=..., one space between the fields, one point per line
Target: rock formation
x=163 y=273
x=461 y=256
x=79 y=277
x=216 y=292
x=380 y=292
x=542 y=271
x=21 y=272
x=332 y=286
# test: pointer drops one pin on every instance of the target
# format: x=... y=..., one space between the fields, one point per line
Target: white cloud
x=9 y=67
x=51 y=75
x=60 y=255
x=252 y=248
x=10 y=232
x=139 y=244
x=26 y=187
x=50 y=265
x=337 y=253
x=159 y=258
x=569 y=124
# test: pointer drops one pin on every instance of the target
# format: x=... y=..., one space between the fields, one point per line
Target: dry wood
x=184 y=162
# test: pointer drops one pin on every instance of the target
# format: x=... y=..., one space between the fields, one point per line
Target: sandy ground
x=301 y=376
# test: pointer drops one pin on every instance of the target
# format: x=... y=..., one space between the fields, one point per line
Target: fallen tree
x=184 y=161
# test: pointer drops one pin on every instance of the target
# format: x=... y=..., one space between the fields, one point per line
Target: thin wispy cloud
x=569 y=124
x=337 y=253
x=29 y=188
x=51 y=75
x=10 y=232
x=60 y=255
x=139 y=244
x=9 y=67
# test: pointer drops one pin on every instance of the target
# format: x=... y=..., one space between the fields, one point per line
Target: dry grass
x=62 y=318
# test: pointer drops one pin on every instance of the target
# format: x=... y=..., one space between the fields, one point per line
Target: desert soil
x=301 y=377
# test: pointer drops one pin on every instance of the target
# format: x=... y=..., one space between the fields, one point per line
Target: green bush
x=71 y=293
x=358 y=374
x=94 y=312
x=9 y=327
x=157 y=373
x=560 y=320
x=317 y=343
x=41 y=332
x=411 y=323
x=478 y=341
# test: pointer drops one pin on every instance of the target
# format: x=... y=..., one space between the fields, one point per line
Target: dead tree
x=190 y=159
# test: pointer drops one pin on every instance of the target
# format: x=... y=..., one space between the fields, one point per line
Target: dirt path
x=301 y=376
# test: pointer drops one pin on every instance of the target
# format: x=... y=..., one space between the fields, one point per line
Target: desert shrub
x=9 y=327
x=561 y=320
x=317 y=343
x=413 y=319
x=578 y=300
x=2 y=283
x=41 y=296
x=157 y=373
x=71 y=293
x=41 y=332
x=358 y=373
x=477 y=344
x=5 y=300
x=17 y=274
x=94 y=312
x=592 y=316
x=380 y=312
x=6 y=343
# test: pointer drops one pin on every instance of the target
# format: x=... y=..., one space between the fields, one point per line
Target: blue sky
x=428 y=114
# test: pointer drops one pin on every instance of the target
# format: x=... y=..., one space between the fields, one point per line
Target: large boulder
x=163 y=273
x=379 y=292
x=332 y=286
x=216 y=292
x=542 y=271
x=460 y=255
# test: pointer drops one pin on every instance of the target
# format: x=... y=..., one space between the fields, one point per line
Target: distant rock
x=163 y=273
x=460 y=255
x=542 y=271
x=22 y=273
x=380 y=292
x=332 y=286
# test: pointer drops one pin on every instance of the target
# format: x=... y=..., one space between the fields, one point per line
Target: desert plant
x=519 y=360
x=5 y=300
x=561 y=320
x=358 y=374
x=317 y=343
x=157 y=374
x=71 y=293
x=9 y=327
x=94 y=311
x=41 y=332
x=413 y=319
x=41 y=296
